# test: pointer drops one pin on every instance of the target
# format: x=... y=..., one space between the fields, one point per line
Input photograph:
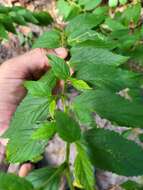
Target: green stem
x=68 y=176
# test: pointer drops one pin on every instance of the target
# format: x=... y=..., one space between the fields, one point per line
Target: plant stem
x=68 y=176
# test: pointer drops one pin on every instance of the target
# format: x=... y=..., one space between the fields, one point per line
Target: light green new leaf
x=67 y=128
x=13 y=182
x=50 y=39
x=45 y=131
x=110 y=151
x=113 y=3
x=83 y=170
x=80 y=84
x=59 y=67
x=90 y=55
x=110 y=106
x=122 y=2
x=52 y=108
x=48 y=178
x=68 y=11
x=89 y=5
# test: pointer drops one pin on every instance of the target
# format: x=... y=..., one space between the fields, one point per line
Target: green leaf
x=32 y=110
x=131 y=185
x=101 y=10
x=114 y=25
x=44 y=18
x=67 y=128
x=3 y=32
x=37 y=88
x=83 y=170
x=45 y=131
x=90 y=55
x=13 y=182
x=63 y=8
x=52 y=108
x=17 y=18
x=68 y=11
x=21 y=146
x=90 y=38
x=4 y=9
x=59 y=67
x=111 y=77
x=80 y=84
x=86 y=21
x=140 y=137
x=48 y=178
x=89 y=5
x=111 y=106
x=113 y=3
x=109 y=151
x=132 y=14
x=7 y=22
x=122 y=2
x=28 y=15
x=50 y=39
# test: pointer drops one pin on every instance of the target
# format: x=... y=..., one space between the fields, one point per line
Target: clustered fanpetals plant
x=101 y=48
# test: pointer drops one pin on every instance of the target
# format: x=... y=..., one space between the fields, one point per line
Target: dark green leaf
x=7 y=22
x=28 y=16
x=59 y=67
x=21 y=146
x=44 y=18
x=13 y=182
x=17 y=18
x=91 y=55
x=131 y=185
x=90 y=38
x=48 y=178
x=86 y=21
x=4 y=9
x=67 y=128
x=50 y=39
x=110 y=151
x=105 y=75
x=37 y=88
x=111 y=106
x=3 y=32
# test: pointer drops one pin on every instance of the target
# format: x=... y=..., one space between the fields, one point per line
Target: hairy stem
x=68 y=173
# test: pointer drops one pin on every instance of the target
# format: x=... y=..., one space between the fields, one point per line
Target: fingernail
x=61 y=52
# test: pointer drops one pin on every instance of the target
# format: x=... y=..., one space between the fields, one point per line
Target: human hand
x=30 y=66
